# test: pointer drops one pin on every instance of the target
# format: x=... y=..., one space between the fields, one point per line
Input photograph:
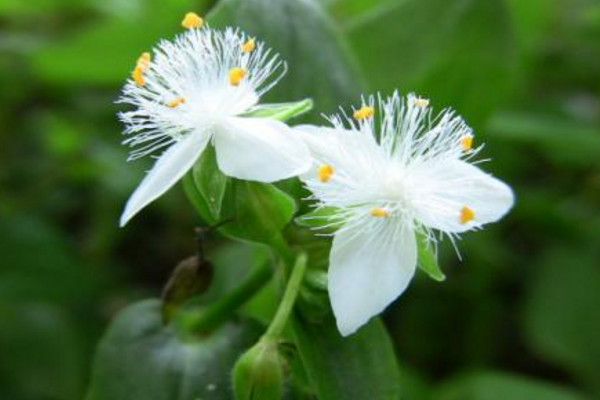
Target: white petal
x=342 y=147
x=442 y=190
x=260 y=149
x=368 y=269
x=167 y=170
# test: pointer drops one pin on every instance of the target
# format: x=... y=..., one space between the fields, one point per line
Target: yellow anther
x=236 y=75
x=379 y=212
x=138 y=75
x=364 y=112
x=144 y=60
x=176 y=102
x=192 y=20
x=325 y=173
x=421 y=102
x=466 y=142
x=466 y=214
x=249 y=46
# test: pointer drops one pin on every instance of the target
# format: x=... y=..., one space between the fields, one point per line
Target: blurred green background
x=517 y=319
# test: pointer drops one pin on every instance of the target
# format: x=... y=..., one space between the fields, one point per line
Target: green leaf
x=465 y=61
x=428 y=259
x=562 y=140
x=116 y=44
x=359 y=367
x=36 y=338
x=281 y=111
x=139 y=359
x=319 y=64
x=210 y=182
x=259 y=211
x=501 y=386
x=562 y=317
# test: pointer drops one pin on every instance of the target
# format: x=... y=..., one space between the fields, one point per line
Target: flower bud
x=258 y=373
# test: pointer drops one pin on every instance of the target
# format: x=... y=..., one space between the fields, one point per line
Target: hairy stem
x=289 y=298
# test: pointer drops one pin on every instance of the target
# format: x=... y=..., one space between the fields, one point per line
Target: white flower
x=391 y=178
x=195 y=90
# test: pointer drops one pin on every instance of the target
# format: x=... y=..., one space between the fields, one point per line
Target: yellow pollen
x=421 y=102
x=236 y=75
x=249 y=46
x=138 y=75
x=466 y=214
x=144 y=60
x=363 y=113
x=176 y=102
x=467 y=142
x=192 y=20
x=325 y=173
x=379 y=212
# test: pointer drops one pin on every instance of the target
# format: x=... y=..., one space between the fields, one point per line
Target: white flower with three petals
x=390 y=177
x=199 y=89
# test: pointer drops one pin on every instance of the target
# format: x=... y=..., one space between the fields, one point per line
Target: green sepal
x=324 y=218
x=210 y=182
x=258 y=374
x=428 y=259
x=258 y=211
x=281 y=111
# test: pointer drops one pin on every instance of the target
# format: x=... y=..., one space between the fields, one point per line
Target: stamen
x=421 y=102
x=176 y=102
x=249 y=46
x=467 y=142
x=192 y=20
x=325 y=173
x=363 y=113
x=466 y=214
x=143 y=62
x=379 y=212
x=236 y=75
x=138 y=75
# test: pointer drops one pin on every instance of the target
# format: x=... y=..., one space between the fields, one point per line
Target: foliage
x=517 y=318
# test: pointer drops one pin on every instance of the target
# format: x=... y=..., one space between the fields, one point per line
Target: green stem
x=222 y=310
x=283 y=249
x=289 y=298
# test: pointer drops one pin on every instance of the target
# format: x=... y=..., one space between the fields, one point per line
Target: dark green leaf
x=139 y=359
x=319 y=64
x=501 y=386
x=36 y=338
x=463 y=57
x=359 y=367
x=562 y=316
x=564 y=141
x=428 y=259
x=115 y=44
